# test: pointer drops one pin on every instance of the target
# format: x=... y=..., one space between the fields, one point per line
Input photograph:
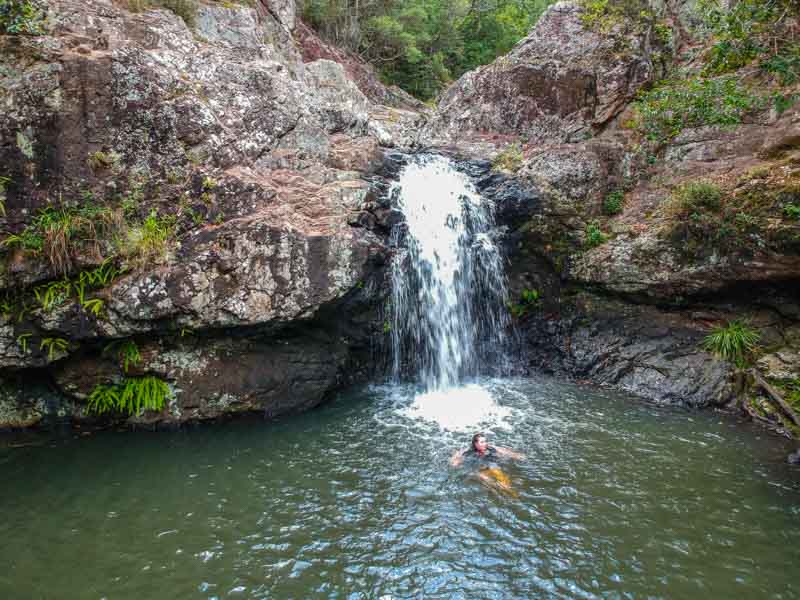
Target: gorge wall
x=222 y=187
x=197 y=205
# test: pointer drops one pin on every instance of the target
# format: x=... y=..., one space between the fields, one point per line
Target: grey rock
x=560 y=83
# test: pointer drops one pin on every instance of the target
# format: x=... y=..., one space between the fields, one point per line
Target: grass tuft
x=735 y=342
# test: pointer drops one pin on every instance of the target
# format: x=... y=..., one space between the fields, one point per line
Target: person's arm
x=508 y=453
x=457 y=459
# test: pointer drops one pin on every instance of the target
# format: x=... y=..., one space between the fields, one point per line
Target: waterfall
x=449 y=294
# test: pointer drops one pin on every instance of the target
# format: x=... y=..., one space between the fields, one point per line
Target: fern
x=52 y=294
x=93 y=306
x=103 y=399
x=22 y=340
x=133 y=396
x=54 y=346
x=126 y=351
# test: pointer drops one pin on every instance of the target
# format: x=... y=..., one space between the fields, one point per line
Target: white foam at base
x=460 y=409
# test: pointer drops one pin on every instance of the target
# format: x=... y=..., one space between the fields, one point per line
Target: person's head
x=479 y=443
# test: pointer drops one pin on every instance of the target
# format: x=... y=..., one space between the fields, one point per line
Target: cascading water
x=449 y=289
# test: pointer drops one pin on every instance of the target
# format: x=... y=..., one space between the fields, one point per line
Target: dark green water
x=616 y=499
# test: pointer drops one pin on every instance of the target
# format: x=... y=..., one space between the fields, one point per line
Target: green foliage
x=93 y=306
x=60 y=234
x=594 y=236
x=792 y=211
x=209 y=183
x=14 y=306
x=21 y=17
x=131 y=397
x=612 y=205
x=22 y=341
x=185 y=9
x=793 y=392
x=746 y=30
x=147 y=242
x=527 y=300
x=605 y=15
x=97 y=161
x=126 y=351
x=54 y=346
x=784 y=65
x=784 y=102
x=674 y=105
x=700 y=219
x=53 y=293
x=510 y=159
x=695 y=196
x=387 y=327
x=4 y=181
x=422 y=45
x=735 y=342
x=28 y=240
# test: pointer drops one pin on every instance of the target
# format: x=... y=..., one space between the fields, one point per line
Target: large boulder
x=563 y=82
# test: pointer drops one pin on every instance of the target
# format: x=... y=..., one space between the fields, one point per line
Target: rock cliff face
x=628 y=295
x=563 y=82
x=255 y=168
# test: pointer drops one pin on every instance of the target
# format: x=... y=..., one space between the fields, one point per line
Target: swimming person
x=480 y=449
x=489 y=474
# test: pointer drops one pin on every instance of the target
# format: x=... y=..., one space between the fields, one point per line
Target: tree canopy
x=422 y=45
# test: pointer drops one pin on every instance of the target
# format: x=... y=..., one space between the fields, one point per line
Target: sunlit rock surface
x=264 y=157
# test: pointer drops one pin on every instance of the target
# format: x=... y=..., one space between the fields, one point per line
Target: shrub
x=792 y=211
x=594 y=236
x=784 y=65
x=100 y=160
x=745 y=30
x=696 y=195
x=528 y=299
x=672 y=106
x=735 y=342
x=130 y=397
x=21 y=17
x=612 y=205
x=509 y=159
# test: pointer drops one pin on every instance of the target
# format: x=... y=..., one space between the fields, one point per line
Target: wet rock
x=794 y=458
x=783 y=365
x=649 y=352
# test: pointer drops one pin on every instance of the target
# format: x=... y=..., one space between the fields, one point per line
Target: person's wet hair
x=475 y=438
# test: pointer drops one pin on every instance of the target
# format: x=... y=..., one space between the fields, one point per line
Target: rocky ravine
x=259 y=165
x=266 y=148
